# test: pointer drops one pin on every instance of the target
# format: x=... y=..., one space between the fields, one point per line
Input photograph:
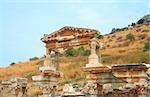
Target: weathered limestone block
x=18 y=85
x=47 y=68
x=6 y=82
x=68 y=89
x=131 y=73
x=107 y=88
x=143 y=82
x=90 y=90
x=1 y=90
x=135 y=75
x=142 y=91
x=37 y=78
x=15 y=90
x=129 y=86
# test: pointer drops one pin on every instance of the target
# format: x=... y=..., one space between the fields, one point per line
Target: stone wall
x=122 y=93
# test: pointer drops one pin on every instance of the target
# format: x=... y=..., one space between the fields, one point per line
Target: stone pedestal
x=134 y=75
x=95 y=56
x=48 y=79
x=96 y=77
x=47 y=82
x=46 y=94
x=96 y=73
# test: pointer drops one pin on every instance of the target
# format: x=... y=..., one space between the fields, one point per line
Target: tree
x=147 y=46
x=80 y=51
x=86 y=53
x=130 y=37
x=34 y=58
x=113 y=30
x=141 y=21
x=117 y=29
x=100 y=36
x=133 y=24
x=13 y=63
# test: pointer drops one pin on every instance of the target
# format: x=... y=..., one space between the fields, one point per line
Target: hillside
x=118 y=48
x=117 y=44
x=126 y=45
x=24 y=69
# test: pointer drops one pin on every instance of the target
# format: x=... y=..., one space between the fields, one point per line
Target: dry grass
x=119 y=42
x=19 y=69
x=132 y=57
x=74 y=66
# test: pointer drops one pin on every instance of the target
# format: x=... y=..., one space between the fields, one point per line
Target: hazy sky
x=23 y=22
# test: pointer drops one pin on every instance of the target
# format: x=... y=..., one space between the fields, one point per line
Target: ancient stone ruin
x=17 y=86
x=120 y=80
x=61 y=39
x=100 y=78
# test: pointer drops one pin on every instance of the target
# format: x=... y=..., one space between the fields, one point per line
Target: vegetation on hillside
x=147 y=45
x=130 y=37
x=73 y=52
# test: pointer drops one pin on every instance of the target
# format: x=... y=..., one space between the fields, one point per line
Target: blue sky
x=23 y=22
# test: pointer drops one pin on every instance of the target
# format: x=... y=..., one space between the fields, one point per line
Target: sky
x=24 y=22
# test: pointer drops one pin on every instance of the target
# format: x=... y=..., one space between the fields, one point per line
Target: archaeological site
x=117 y=80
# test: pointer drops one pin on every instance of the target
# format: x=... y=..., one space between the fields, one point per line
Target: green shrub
x=130 y=37
x=100 y=36
x=67 y=81
x=87 y=53
x=147 y=46
x=34 y=58
x=77 y=78
x=69 y=52
x=114 y=30
x=13 y=63
x=80 y=51
x=73 y=52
